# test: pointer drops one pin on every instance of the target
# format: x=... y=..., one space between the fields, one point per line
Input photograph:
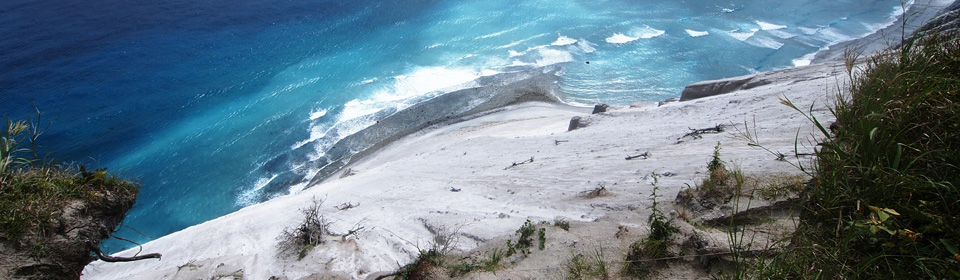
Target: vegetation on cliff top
x=885 y=204
x=51 y=215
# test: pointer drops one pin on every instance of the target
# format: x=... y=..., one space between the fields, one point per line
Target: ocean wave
x=647 y=32
x=742 y=35
x=564 y=41
x=551 y=56
x=694 y=33
x=805 y=59
x=586 y=46
x=251 y=195
x=769 y=26
x=764 y=42
x=780 y=33
x=316 y=114
x=619 y=38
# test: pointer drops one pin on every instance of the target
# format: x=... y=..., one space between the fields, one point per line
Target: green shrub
x=885 y=203
x=644 y=256
x=525 y=240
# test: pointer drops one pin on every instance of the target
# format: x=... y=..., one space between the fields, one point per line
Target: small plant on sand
x=490 y=264
x=644 y=255
x=525 y=240
x=308 y=234
x=422 y=267
x=716 y=185
x=592 y=267
x=562 y=224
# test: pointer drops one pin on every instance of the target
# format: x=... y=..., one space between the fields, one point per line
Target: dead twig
x=107 y=258
x=644 y=155
x=515 y=164
x=557 y=142
x=346 y=206
x=696 y=133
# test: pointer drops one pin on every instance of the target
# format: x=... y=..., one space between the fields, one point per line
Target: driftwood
x=111 y=259
x=644 y=155
x=557 y=142
x=697 y=133
x=346 y=206
x=515 y=164
x=395 y=274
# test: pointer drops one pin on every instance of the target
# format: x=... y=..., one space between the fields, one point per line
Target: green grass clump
x=582 y=267
x=562 y=224
x=422 y=267
x=715 y=186
x=885 y=203
x=525 y=240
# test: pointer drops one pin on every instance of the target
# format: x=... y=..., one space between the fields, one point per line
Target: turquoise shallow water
x=215 y=105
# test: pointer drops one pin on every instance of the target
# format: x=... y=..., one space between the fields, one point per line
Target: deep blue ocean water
x=214 y=105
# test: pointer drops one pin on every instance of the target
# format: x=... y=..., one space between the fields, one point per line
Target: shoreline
x=491 y=94
x=463 y=179
x=501 y=90
x=916 y=15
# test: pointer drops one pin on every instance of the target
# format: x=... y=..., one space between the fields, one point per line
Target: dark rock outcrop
x=947 y=22
x=702 y=89
x=574 y=123
x=600 y=108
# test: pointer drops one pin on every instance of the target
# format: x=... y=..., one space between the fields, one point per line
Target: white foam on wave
x=781 y=34
x=694 y=33
x=804 y=60
x=619 y=38
x=586 y=46
x=742 y=35
x=769 y=26
x=833 y=36
x=551 y=56
x=894 y=15
x=405 y=90
x=647 y=32
x=316 y=114
x=764 y=42
x=249 y=196
x=808 y=30
x=564 y=41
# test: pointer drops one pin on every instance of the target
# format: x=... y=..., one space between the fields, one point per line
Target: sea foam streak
x=619 y=38
x=586 y=46
x=769 y=26
x=647 y=32
x=764 y=42
x=551 y=56
x=249 y=196
x=694 y=33
x=743 y=35
x=318 y=114
x=564 y=41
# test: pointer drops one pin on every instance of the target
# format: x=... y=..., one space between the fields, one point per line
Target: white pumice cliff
x=478 y=180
